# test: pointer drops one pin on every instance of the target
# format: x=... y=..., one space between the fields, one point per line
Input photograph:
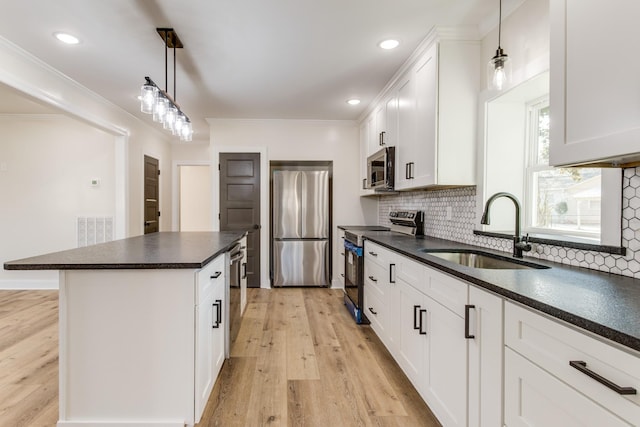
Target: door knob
x=257 y=226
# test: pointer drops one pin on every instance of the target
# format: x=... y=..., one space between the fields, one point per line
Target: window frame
x=610 y=192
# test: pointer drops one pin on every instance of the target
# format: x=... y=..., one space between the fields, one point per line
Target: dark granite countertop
x=363 y=227
x=151 y=251
x=605 y=304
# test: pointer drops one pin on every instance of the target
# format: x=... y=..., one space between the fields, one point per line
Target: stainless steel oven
x=354 y=276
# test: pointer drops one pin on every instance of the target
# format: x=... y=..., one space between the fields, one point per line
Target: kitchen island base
x=128 y=347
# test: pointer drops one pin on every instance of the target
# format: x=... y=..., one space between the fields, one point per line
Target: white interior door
x=195 y=204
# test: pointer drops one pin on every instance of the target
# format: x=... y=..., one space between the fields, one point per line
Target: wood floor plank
x=268 y=398
x=301 y=355
x=249 y=338
x=229 y=404
x=320 y=308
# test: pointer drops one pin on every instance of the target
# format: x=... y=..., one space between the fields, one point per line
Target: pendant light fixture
x=499 y=67
x=157 y=102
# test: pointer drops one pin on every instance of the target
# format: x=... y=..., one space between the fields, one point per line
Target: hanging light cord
x=499 y=23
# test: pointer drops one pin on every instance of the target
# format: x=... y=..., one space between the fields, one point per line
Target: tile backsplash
x=463 y=221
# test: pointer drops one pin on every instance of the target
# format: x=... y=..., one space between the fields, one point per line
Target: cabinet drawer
x=448 y=291
x=209 y=276
x=374 y=253
x=376 y=312
x=552 y=345
x=411 y=272
x=376 y=278
x=535 y=398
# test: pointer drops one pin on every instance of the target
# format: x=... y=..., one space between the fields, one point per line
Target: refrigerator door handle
x=302 y=197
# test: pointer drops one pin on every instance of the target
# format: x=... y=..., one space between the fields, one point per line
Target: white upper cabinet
x=595 y=82
x=363 y=184
x=429 y=114
x=387 y=122
x=437 y=110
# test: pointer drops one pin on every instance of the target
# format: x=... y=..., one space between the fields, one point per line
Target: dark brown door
x=151 y=195
x=240 y=204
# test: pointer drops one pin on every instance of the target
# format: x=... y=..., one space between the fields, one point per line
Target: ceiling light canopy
x=66 y=38
x=389 y=44
x=353 y=101
x=157 y=102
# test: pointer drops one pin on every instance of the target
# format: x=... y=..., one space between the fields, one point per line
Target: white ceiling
x=298 y=59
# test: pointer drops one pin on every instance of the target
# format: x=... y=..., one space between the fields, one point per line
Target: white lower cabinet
x=558 y=376
x=432 y=349
x=412 y=338
x=446 y=385
x=448 y=338
x=484 y=313
x=210 y=330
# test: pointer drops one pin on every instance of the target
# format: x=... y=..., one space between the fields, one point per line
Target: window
x=582 y=205
x=563 y=201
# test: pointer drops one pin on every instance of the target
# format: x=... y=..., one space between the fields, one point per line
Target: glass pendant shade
x=170 y=118
x=160 y=109
x=148 y=95
x=177 y=127
x=499 y=71
x=186 y=133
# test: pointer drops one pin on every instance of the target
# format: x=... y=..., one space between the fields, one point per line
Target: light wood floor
x=28 y=358
x=299 y=360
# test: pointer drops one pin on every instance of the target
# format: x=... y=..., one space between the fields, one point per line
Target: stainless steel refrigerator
x=300 y=226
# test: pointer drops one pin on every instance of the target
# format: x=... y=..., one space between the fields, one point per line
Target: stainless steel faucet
x=519 y=244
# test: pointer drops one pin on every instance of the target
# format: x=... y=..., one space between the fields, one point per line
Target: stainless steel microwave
x=381 y=169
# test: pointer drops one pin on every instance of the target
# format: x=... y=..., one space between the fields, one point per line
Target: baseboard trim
x=337 y=284
x=28 y=284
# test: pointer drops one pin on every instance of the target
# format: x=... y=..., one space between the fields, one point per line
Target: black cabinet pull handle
x=244 y=270
x=216 y=274
x=364 y=183
x=406 y=170
x=582 y=367
x=425 y=323
x=342 y=274
x=374 y=312
x=382 y=138
x=415 y=317
x=467 y=308
x=373 y=253
x=373 y=279
x=218 y=306
x=411 y=170
x=392 y=273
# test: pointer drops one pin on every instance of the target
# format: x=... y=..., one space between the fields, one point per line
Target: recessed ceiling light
x=66 y=38
x=389 y=44
x=353 y=101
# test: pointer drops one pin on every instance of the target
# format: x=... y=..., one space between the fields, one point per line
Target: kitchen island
x=142 y=327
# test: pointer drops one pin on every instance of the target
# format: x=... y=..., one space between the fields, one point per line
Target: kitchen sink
x=484 y=260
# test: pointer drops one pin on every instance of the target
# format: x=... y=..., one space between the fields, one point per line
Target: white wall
x=132 y=137
x=337 y=141
x=47 y=164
